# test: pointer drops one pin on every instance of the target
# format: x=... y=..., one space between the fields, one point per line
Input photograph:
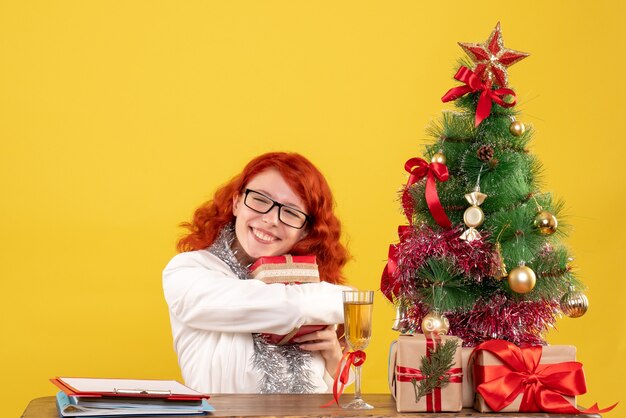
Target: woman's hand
x=327 y=343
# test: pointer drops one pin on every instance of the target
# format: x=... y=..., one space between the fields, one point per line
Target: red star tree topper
x=492 y=58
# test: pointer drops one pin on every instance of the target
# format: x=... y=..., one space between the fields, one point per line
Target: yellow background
x=117 y=118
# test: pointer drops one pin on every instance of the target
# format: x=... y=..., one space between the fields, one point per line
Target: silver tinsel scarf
x=283 y=369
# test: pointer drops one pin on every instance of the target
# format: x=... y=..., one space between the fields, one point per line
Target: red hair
x=322 y=239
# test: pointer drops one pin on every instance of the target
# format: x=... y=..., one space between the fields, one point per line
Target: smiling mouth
x=263 y=237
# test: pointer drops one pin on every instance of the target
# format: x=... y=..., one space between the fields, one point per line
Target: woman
x=280 y=204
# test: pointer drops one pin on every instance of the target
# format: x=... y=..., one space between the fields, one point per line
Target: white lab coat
x=213 y=315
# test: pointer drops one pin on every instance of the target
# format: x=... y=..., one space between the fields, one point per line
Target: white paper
x=81 y=384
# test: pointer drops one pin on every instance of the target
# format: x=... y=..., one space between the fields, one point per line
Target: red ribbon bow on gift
x=487 y=96
x=418 y=169
x=342 y=375
x=542 y=385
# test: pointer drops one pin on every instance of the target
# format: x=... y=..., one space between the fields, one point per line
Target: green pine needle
x=434 y=369
x=440 y=284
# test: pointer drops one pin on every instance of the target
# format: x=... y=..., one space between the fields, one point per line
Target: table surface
x=294 y=406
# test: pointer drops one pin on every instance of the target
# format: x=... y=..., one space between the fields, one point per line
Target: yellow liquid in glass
x=358 y=324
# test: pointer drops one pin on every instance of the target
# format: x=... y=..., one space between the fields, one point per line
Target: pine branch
x=434 y=369
x=440 y=284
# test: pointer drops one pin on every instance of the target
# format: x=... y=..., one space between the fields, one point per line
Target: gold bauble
x=574 y=304
x=438 y=157
x=473 y=217
x=522 y=279
x=546 y=222
x=435 y=323
x=517 y=128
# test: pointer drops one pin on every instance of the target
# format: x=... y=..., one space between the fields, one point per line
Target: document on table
x=71 y=406
x=80 y=386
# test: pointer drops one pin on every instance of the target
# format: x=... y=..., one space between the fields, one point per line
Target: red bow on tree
x=487 y=96
x=419 y=168
x=388 y=284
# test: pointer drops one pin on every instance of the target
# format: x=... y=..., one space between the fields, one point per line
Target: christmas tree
x=483 y=255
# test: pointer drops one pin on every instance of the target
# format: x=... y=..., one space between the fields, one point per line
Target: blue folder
x=71 y=406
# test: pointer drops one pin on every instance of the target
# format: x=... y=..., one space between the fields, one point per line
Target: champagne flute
x=357 y=314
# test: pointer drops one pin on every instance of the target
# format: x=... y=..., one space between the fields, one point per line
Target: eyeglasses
x=260 y=203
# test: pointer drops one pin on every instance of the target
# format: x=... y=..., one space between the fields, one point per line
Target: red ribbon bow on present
x=418 y=169
x=487 y=96
x=542 y=385
x=342 y=375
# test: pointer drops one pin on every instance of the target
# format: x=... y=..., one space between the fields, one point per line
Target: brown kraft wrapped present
x=406 y=375
x=528 y=365
x=292 y=270
x=468 y=388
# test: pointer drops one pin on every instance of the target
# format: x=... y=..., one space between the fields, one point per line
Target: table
x=296 y=406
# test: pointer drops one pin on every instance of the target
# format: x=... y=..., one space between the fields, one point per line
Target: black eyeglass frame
x=307 y=218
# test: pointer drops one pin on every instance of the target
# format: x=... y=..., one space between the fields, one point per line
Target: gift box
x=287 y=269
x=508 y=378
x=468 y=387
x=405 y=375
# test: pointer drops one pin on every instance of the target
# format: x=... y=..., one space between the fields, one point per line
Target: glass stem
x=357 y=382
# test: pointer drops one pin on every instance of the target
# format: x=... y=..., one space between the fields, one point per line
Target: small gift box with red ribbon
x=287 y=269
x=407 y=375
x=508 y=378
x=291 y=269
